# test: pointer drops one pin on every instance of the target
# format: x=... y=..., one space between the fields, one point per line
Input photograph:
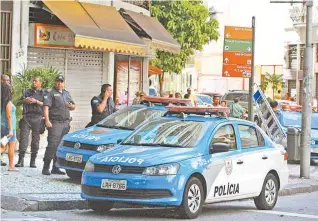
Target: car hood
x=97 y=135
x=143 y=155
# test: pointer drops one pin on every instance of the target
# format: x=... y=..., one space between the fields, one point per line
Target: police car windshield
x=168 y=133
x=130 y=117
x=293 y=119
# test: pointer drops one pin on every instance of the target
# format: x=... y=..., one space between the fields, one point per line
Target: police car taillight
x=285 y=156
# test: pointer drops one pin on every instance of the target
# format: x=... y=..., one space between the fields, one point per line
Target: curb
x=23 y=204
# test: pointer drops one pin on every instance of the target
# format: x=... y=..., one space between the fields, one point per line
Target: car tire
x=268 y=197
x=191 y=208
x=100 y=206
x=74 y=175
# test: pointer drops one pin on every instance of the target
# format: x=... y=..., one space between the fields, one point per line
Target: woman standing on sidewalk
x=8 y=123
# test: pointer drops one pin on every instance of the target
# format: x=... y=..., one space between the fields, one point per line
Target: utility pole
x=251 y=80
x=307 y=93
x=307 y=97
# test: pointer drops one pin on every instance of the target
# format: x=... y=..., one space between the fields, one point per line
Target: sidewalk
x=29 y=190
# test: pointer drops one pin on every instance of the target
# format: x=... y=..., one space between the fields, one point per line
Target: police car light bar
x=153 y=99
x=199 y=110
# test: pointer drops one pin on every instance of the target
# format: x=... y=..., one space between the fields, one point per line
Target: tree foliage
x=190 y=24
x=24 y=80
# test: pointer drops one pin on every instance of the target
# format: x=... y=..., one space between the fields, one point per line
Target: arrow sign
x=237 y=52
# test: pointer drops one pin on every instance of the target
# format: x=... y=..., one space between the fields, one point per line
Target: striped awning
x=97 y=27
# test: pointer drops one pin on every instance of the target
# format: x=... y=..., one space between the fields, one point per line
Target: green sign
x=237 y=45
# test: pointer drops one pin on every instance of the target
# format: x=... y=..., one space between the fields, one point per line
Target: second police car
x=186 y=160
x=292 y=118
x=77 y=147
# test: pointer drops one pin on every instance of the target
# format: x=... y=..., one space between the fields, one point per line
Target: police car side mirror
x=220 y=148
x=119 y=141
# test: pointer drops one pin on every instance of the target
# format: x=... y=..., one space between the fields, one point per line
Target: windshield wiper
x=115 y=127
x=168 y=145
x=141 y=144
x=101 y=125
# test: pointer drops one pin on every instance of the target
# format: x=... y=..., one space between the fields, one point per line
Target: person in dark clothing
x=57 y=106
x=274 y=106
x=102 y=105
x=32 y=101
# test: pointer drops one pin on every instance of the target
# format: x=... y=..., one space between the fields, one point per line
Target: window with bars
x=292 y=56
x=5 y=43
x=302 y=56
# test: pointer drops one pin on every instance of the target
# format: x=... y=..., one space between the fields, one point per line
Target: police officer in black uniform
x=32 y=101
x=102 y=105
x=57 y=106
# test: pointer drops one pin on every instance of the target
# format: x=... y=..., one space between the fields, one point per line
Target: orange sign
x=237 y=58
x=237 y=54
x=242 y=33
x=234 y=70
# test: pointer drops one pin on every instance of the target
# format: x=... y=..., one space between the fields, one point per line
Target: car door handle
x=264 y=157
x=239 y=162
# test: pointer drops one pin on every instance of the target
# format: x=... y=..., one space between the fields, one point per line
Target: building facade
x=90 y=42
x=295 y=49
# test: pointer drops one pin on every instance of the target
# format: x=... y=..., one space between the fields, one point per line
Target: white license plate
x=114 y=184
x=74 y=158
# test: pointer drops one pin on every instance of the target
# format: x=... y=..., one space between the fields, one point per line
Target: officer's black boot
x=32 y=161
x=56 y=170
x=46 y=168
x=21 y=160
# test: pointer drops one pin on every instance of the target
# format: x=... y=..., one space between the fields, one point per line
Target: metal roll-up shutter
x=83 y=81
x=43 y=57
x=316 y=85
x=300 y=92
x=291 y=85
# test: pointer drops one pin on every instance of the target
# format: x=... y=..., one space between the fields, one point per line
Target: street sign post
x=238 y=56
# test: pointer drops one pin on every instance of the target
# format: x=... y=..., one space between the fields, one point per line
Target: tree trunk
x=273 y=92
x=161 y=81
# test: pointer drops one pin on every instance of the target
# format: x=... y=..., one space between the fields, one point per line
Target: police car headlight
x=89 y=167
x=161 y=170
x=61 y=143
x=313 y=142
x=102 y=148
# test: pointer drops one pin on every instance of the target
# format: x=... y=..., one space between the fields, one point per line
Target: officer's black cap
x=59 y=78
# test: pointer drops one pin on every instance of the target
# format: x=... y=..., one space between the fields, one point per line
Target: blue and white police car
x=185 y=159
x=289 y=118
x=77 y=147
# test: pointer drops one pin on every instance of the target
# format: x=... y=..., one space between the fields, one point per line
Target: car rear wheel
x=269 y=194
x=100 y=206
x=193 y=199
x=74 y=175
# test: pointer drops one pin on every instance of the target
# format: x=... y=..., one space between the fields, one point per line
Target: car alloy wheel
x=268 y=197
x=194 y=198
x=270 y=192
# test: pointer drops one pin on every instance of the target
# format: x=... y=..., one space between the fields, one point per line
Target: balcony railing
x=141 y=3
x=298 y=14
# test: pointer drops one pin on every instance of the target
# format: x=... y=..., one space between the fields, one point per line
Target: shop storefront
x=92 y=49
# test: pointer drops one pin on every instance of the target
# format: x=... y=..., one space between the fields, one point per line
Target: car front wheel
x=74 y=175
x=193 y=199
x=269 y=194
x=100 y=206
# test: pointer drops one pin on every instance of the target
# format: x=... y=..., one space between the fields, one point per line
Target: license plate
x=114 y=184
x=74 y=158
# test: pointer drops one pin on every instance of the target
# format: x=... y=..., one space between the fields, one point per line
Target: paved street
x=297 y=207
